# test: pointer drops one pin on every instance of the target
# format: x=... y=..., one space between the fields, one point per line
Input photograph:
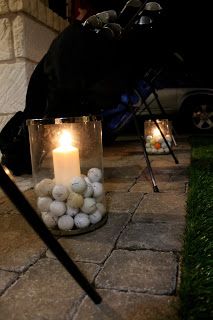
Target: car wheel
x=196 y=114
x=202 y=117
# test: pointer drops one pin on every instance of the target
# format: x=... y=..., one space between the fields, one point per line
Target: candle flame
x=65 y=139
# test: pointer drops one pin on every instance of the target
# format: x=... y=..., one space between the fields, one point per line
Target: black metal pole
x=154 y=184
x=21 y=203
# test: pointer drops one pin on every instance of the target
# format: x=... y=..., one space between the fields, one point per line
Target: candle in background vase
x=156 y=133
x=66 y=161
x=155 y=142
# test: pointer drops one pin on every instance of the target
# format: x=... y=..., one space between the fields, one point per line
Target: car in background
x=183 y=98
x=186 y=98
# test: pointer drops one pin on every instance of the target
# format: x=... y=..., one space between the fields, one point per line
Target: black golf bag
x=90 y=68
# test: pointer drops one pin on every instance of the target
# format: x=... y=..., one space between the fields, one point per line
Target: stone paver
x=123 y=202
x=155 y=236
x=118 y=185
x=161 y=207
x=146 y=187
x=46 y=291
x=19 y=246
x=128 y=171
x=133 y=260
x=158 y=177
x=128 y=306
x=170 y=169
x=139 y=271
x=97 y=245
x=179 y=177
x=6 y=206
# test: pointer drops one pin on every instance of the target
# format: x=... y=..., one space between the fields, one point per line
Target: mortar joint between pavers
x=10 y=284
x=74 y=309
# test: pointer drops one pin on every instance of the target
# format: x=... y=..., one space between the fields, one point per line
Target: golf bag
x=90 y=68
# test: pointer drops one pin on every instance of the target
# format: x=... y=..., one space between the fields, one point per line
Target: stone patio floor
x=133 y=260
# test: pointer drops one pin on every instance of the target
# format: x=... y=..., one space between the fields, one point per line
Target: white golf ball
x=95 y=217
x=49 y=221
x=78 y=184
x=43 y=203
x=44 y=188
x=101 y=208
x=60 y=192
x=148 y=150
x=89 y=190
x=89 y=205
x=57 y=208
x=168 y=138
x=72 y=211
x=148 y=138
x=65 y=222
x=161 y=150
x=98 y=189
x=81 y=220
x=94 y=174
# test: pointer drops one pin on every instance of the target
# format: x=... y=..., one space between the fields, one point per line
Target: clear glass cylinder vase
x=155 y=143
x=67 y=168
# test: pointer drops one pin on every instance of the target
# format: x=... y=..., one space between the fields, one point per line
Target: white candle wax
x=66 y=161
x=156 y=133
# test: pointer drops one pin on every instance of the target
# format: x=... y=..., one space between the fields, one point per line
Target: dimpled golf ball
x=57 y=208
x=43 y=203
x=94 y=175
x=72 y=211
x=49 y=220
x=148 y=138
x=75 y=200
x=65 y=222
x=160 y=150
x=89 y=205
x=81 y=220
x=98 y=189
x=89 y=190
x=101 y=208
x=60 y=192
x=44 y=188
x=149 y=150
x=95 y=217
x=168 y=138
x=78 y=185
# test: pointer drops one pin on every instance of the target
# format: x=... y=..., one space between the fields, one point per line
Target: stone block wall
x=27 y=27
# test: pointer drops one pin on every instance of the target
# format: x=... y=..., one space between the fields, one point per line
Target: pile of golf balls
x=76 y=206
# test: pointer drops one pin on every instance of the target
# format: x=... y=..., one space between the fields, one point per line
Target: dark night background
x=188 y=27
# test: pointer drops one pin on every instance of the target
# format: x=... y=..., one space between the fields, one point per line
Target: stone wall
x=27 y=27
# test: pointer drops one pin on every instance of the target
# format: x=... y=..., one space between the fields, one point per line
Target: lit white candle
x=156 y=133
x=66 y=161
